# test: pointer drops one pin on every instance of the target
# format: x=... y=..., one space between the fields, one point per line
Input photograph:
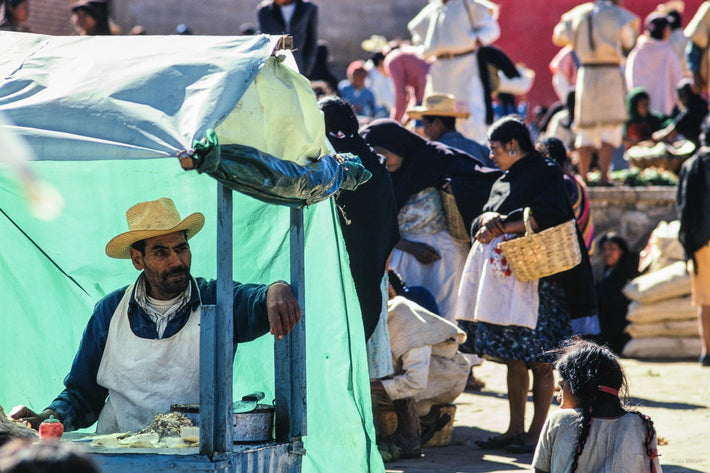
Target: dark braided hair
x=585 y=366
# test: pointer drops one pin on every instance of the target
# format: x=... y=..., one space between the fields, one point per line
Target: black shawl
x=538 y=183
x=368 y=215
x=429 y=164
x=693 y=201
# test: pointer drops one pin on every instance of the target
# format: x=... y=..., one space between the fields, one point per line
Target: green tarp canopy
x=104 y=117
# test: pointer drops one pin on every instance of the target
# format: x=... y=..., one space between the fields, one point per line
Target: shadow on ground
x=463 y=456
x=641 y=402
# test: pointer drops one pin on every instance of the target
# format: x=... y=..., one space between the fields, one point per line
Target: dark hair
x=45 y=457
x=619 y=241
x=99 y=11
x=340 y=119
x=448 y=122
x=9 y=17
x=554 y=149
x=377 y=58
x=656 y=25
x=705 y=132
x=676 y=21
x=140 y=244
x=511 y=128
x=585 y=367
x=396 y=281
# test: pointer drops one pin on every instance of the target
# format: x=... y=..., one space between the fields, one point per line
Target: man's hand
x=25 y=414
x=282 y=309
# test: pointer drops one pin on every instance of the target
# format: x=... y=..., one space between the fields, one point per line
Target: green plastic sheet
x=52 y=273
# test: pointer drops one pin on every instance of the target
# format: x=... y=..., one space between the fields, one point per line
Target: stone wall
x=343 y=24
x=632 y=212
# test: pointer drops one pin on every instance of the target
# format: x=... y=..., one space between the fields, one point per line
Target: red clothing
x=408 y=72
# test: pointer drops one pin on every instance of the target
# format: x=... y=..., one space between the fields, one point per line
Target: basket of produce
x=537 y=255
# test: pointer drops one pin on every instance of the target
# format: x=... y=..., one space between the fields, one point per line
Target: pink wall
x=526 y=35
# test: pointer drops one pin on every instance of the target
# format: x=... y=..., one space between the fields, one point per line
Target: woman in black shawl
x=368 y=215
x=428 y=255
x=529 y=180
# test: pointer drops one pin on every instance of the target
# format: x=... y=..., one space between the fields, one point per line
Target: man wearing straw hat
x=140 y=346
x=439 y=114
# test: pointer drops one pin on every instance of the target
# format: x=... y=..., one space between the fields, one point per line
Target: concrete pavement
x=676 y=395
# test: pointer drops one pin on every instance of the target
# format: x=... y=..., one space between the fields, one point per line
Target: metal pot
x=253 y=426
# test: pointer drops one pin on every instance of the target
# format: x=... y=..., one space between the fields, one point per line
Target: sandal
x=520 y=448
x=500 y=442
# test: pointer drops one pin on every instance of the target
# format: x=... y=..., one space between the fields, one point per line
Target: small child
x=354 y=91
x=593 y=433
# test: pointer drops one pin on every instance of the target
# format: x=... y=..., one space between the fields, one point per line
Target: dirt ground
x=676 y=395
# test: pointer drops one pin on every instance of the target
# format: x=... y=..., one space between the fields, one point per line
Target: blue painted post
x=289 y=353
x=225 y=323
x=297 y=339
x=216 y=343
x=207 y=378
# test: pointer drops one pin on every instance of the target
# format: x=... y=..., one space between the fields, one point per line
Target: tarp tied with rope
x=99 y=113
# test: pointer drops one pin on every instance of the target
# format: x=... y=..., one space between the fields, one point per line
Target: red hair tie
x=608 y=390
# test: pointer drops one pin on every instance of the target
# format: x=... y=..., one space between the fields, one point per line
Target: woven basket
x=386 y=422
x=454 y=221
x=537 y=255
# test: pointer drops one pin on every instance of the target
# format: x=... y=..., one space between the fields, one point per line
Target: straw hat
x=151 y=219
x=438 y=105
x=374 y=43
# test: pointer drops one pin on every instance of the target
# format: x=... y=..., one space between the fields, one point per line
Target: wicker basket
x=454 y=221
x=386 y=422
x=537 y=255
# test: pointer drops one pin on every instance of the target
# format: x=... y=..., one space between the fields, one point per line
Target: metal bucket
x=253 y=426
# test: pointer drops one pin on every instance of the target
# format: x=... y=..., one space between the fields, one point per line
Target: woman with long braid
x=593 y=432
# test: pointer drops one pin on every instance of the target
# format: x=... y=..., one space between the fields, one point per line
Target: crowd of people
x=458 y=168
x=447 y=114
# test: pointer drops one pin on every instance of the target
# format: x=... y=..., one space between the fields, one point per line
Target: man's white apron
x=144 y=377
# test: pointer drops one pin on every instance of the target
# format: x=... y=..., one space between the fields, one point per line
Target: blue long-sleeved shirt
x=80 y=404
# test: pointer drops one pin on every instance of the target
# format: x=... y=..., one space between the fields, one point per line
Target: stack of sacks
x=663 y=322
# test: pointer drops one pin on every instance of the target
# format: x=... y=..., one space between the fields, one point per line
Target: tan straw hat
x=374 y=43
x=151 y=219
x=437 y=105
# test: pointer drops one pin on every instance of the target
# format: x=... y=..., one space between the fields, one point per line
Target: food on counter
x=12 y=429
x=168 y=425
x=172 y=430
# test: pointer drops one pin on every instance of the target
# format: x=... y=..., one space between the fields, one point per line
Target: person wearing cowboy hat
x=439 y=114
x=139 y=348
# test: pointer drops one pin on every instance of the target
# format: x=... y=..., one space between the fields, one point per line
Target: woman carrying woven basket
x=428 y=255
x=508 y=320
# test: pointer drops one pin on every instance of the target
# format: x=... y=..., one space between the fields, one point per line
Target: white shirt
x=287 y=13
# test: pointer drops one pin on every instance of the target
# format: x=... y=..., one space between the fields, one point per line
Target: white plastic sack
x=666 y=283
x=678 y=308
x=663 y=247
x=663 y=347
x=668 y=328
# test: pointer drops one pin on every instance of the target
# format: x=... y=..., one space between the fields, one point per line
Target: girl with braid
x=593 y=433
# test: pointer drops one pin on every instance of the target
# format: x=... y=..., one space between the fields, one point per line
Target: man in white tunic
x=597 y=31
x=139 y=352
x=450 y=33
